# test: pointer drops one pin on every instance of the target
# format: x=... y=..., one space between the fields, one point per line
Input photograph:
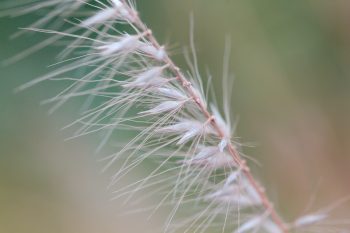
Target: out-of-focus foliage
x=291 y=93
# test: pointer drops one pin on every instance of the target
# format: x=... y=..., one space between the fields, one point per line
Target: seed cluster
x=130 y=84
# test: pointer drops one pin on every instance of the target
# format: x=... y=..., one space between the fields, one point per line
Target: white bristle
x=100 y=17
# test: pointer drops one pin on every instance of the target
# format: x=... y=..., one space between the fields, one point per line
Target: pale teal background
x=291 y=61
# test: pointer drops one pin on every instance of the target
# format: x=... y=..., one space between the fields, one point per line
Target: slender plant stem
x=232 y=150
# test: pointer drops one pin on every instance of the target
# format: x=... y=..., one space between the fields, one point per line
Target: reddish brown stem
x=232 y=150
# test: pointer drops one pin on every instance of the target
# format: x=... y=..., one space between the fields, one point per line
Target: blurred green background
x=291 y=61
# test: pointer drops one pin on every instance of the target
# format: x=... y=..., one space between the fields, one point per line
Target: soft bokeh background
x=291 y=61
